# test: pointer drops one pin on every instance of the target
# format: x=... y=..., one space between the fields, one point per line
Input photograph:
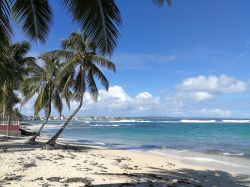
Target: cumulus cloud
x=187 y=100
x=213 y=84
x=202 y=88
x=117 y=99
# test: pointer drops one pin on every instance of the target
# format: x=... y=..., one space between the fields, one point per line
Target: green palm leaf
x=99 y=19
x=5 y=28
x=35 y=17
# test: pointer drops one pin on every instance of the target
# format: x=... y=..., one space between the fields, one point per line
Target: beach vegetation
x=20 y=66
x=82 y=62
x=43 y=83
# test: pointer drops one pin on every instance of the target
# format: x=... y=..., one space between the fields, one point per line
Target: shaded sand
x=76 y=165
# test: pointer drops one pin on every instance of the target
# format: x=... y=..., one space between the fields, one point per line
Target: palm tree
x=99 y=18
x=43 y=82
x=20 y=66
x=79 y=71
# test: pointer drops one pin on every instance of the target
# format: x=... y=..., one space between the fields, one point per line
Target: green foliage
x=43 y=82
x=34 y=17
x=100 y=18
x=17 y=66
x=81 y=65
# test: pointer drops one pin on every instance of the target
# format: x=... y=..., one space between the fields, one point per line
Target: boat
x=26 y=132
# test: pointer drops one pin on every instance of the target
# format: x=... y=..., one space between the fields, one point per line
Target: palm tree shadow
x=8 y=145
x=181 y=178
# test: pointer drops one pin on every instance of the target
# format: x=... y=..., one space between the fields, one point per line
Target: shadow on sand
x=181 y=178
x=8 y=145
x=157 y=176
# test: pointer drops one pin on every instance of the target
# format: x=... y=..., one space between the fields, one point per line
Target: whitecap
x=235 y=121
x=197 y=121
x=233 y=154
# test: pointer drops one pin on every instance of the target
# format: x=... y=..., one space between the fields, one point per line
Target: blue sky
x=188 y=60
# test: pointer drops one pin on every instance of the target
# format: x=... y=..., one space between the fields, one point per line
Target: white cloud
x=202 y=88
x=188 y=100
x=116 y=99
x=213 y=84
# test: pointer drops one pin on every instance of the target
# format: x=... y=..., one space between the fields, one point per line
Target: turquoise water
x=145 y=134
x=213 y=139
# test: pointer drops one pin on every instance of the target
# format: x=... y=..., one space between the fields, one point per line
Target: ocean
x=216 y=143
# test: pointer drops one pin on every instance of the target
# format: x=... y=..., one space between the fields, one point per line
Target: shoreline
x=186 y=157
x=78 y=165
x=234 y=163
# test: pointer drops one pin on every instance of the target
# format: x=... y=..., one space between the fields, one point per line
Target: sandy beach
x=78 y=165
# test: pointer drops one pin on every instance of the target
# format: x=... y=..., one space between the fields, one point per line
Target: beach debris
x=29 y=165
x=13 y=177
x=86 y=180
x=126 y=167
x=37 y=179
x=119 y=159
x=54 y=179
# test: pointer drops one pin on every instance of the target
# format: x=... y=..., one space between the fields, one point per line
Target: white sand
x=74 y=165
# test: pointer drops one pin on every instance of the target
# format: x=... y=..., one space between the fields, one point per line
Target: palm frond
x=91 y=85
x=57 y=101
x=57 y=54
x=5 y=27
x=96 y=72
x=34 y=16
x=42 y=100
x=99 y=19
x=103 y=62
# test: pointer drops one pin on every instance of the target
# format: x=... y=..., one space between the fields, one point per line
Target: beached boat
x=26 y=132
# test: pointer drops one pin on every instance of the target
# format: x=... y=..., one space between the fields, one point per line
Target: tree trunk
x=52 y=141
x=3 y=113
x=8 y=126
x=33 y=138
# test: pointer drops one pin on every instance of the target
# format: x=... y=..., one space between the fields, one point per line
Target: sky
x=190 y=60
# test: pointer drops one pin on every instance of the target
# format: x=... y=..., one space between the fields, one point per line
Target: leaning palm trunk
x=52 y=141
x=33 y=138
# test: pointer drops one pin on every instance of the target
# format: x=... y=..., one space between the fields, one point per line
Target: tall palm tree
x=99 y=18
x=80 y=70
x=20 y=66
x=43 y=82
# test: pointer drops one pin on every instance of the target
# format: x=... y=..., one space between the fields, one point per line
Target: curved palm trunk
x=52 y=141
x=33 y=138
